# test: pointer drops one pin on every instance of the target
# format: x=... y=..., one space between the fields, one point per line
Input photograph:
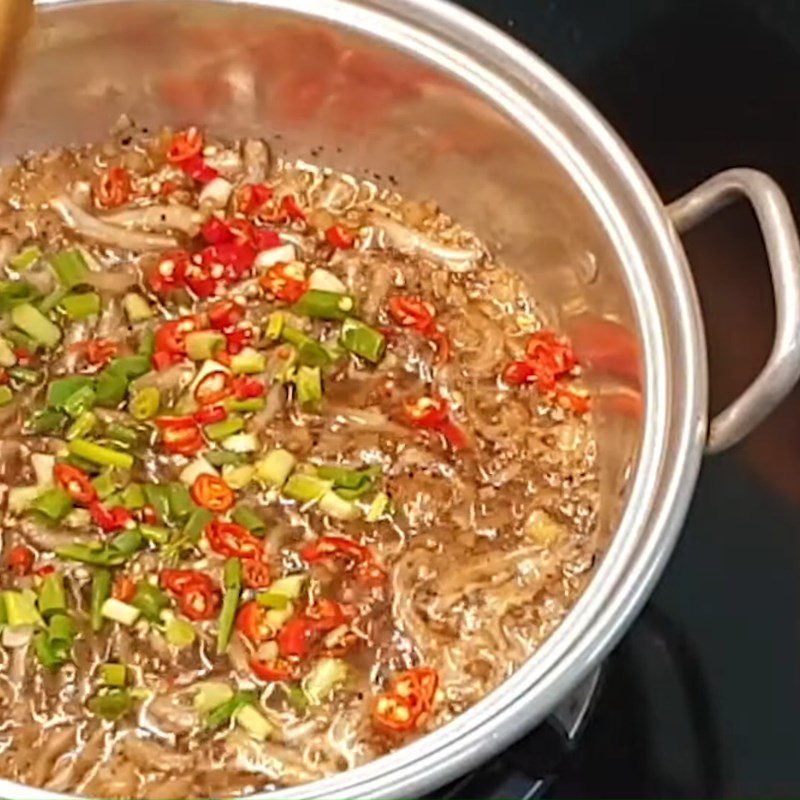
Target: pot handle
x=782 y=369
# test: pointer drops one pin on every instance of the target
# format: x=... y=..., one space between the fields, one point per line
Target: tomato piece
x=252 y=197
x=272 y=671
x=245 y=388
x=340 y=237
x=178 y=581
x=294 y=637
x=411 y=312
x=171 y=336
x=225 y=315
x=185 y=145
x=197 y=169
x=170 y=271
x=392 y=714
x=110 y=519
x=215 y=231
x=75 y=482
x=232 y=540
x=199 y=601
x=255 y=574
x=332 y=546
x=124 y=589
x=210 y=415
x=285 y=282
x=216 y=386
x=251 y=622
x=113 y=188
x=427 y=412
x=291 y=208
x=211 y=492
x=20 y=560
x=180 y=435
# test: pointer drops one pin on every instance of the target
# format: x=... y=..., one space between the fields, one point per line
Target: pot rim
x=674 y=432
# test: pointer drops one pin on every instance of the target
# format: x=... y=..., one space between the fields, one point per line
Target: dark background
x=703 y=695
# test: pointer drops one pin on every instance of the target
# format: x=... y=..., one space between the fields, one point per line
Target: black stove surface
x=702 y=695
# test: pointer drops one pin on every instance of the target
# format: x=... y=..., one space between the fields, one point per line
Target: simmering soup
x=292 y=471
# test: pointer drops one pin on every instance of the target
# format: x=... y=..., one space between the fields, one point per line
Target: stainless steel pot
x=431 y=97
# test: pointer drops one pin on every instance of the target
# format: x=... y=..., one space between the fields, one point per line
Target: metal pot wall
x=428 y=96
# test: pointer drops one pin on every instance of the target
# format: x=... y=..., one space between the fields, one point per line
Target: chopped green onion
x=238 y=477
x=3 y=615
x=180 y=633
x=254 y=722
x=59 y=391
x=50 y=301
x=337 y=507
x=325 y=676
x=20 y=339
x=70 y=268
x=378 y=507
x=247 y=518
x=147 y=345
x=309 y=385
x=196 y=524
x=249 y=404
x=51 y=655
x=6 y=396
x=180 y=501
x=194 y=469
x=233 y=590
x=145 y=403
x=150 y=600
x=155 y=533
x=136 y=307
x=25 y=375
x=105 y=484
x=306 y=488
x=117 y=611
x=62 y=628
x=309 y=351
x=52 y=597
x=275 y=323
x=21 y=609
x=157 y=495
x=273 y=600
x=7 y=356
x=133 y=497
x=124 y=437
x=222 y=714
x=26 y=258
x=350 y=483
x=114 y=674
x=12 y=293
x=221 y=430
x=30 y=320
x=54 y=503
x=127 y=542
x=276 y=467
x=105 y=456
x=79 y=401
x=82 y=426
x=362 y=340
x=296 y=697
x=249 y=361
x=240 y=443
x=111 y=388
x=211 y=695
x=101 y=591
x=79 y=306
x=111 y=706
x=290 y=586
x=221 y=458
x=319 y=304
x=47 y=421
x=201 y=345
x=119 y=550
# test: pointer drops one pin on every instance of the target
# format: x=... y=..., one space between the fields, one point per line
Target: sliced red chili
x=251 y=622
x=100 y=351
x=291 y=208
x=113 y=188
x=124 y=589
x=266 y=239
x=211 y=492
x=340 y=237
x=392 y=714
x=148 y=515
x=273 y=671
x=232 y=540
x=171 y=336
x=216 y=386
x=408 y=701
x=180 y=435
x=44 y=571
x=20 y=560
x=547 y=348
x=199 y=602
x=110 y=519
x=178 y=581
x=370 y=573
x=185 y=145
x=285 y=282
x=417 y=685
x=332 y=546
x=427 y=412
x=225 y=315
x=255 y=574
x=197 y=169
x=326 y=615
x=245 y=388
x=241 y=230
x=162 y=360
x=210 y=415
x=200 y=278
x=215 y=231
x=411 y=312
x=294 y=638
x=239 y=338
x=252 y=197
x=75 y=482
x=518 y=373
x=170 y=272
